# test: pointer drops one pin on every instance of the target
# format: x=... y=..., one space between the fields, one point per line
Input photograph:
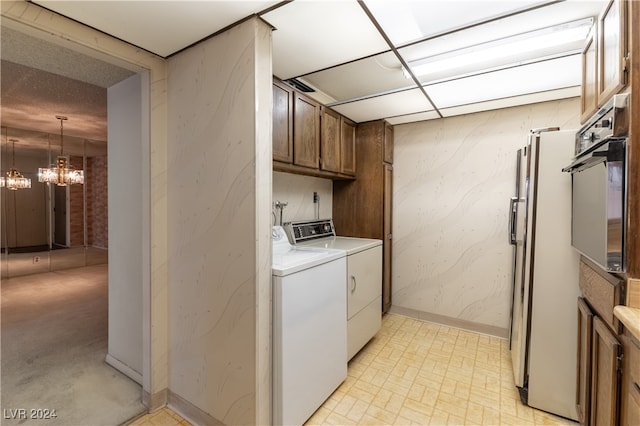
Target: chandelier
x=61 y=173
x=14 y=179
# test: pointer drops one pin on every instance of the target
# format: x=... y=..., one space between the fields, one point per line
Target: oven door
x=599 y=204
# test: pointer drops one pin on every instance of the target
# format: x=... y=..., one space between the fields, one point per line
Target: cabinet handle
x=636 y=386
x=353 y=284
x=625 y=63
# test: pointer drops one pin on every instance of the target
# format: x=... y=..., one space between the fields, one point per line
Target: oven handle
x=586 y=162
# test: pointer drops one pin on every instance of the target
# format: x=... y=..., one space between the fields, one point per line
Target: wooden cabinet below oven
x=600 y=351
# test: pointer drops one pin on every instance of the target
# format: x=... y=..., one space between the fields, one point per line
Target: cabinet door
x=605 y=380
x=583 y=397
x=387 y=237
x=589 y=98
x=330 y=141
x=282 y=122
x=347 y=146
x=306 y=135
x=612 y=49
x=388 y=143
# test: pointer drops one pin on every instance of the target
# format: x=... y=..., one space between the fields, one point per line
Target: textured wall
x=297 y=191
x=452 y=182
x=219 y=94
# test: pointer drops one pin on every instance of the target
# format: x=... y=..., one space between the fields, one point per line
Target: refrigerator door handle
x=513 y=211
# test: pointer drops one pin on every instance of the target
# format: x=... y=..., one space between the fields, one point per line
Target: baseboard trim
x=124 y=369
x=190 y=412
x=490 y=330
x=156 y=401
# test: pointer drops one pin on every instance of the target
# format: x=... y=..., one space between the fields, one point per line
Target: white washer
x=364 y=276
x=309 y=328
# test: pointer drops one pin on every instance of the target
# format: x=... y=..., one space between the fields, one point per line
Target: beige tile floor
x=419 y=373
x=164 y=417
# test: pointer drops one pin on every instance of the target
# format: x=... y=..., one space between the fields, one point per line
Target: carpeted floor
x=53 y=344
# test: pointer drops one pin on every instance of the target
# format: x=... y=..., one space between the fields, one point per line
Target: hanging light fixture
x=61 y=173
x=14 y=179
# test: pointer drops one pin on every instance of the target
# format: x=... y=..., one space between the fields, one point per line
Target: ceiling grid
x=351 y=52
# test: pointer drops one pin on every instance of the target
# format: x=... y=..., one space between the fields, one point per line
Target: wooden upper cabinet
x=310 y=138
x=282 y=122
x=347 y=146
x=589 y=98
x=306 y=136
x=330 y=141
x=388 y=143
x=612 y=49
x=605 y=378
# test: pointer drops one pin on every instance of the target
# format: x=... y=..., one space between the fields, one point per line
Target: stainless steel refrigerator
x=543 y=338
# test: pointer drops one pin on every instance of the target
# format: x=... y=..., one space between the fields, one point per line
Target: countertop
x=630 y=317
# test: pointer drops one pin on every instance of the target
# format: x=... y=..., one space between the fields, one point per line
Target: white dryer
x=309 y=328
x=364 y=276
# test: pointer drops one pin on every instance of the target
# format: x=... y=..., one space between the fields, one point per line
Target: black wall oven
x=599 y=187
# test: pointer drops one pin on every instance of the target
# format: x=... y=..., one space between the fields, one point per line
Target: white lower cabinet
x=364 y=297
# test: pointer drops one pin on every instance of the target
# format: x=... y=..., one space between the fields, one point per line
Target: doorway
x=64 y=278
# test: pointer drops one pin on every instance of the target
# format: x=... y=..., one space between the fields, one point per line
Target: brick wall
x=97 y=212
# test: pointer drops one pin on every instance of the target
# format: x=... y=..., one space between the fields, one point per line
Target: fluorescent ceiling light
x=515 y=47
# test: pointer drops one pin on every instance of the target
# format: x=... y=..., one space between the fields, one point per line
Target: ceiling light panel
x=314 y=35
x=161 y=27
x=405 y=21
x=555 y=14
x=537 y=77
x=394 y=104
x=376 y=74
x=518 y=49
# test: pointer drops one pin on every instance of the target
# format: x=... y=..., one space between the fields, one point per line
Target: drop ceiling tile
x=538 y=77
x=314 y=35
x=376 y=74
x=161 y=27
x=400 y=103
x=549 y=95
x=406 y=21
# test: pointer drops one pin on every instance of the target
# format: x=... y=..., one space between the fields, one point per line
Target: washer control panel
x=310 y=229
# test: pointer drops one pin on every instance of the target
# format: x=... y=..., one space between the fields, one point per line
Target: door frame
x=41 y=23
